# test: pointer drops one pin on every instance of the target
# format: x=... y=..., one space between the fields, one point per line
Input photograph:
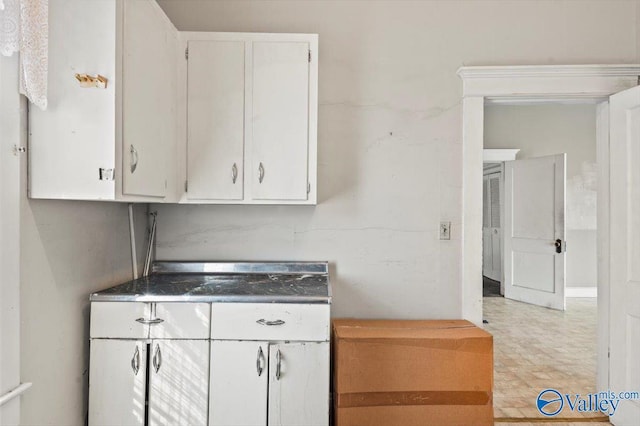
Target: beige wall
x=390 y=156
x=553 y=129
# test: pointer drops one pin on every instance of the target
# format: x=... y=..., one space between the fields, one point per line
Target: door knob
x=558 y=245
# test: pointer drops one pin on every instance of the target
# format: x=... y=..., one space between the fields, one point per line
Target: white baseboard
x=581 y=291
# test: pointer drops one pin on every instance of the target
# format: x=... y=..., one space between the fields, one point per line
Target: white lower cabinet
x=117 y=382
x=299 y=384
x=171 y=376
x=263 y=383
x=220 y=364
x=179 y=382
x=239 y=382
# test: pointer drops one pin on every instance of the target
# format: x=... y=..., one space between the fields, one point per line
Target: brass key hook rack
x=88 y=81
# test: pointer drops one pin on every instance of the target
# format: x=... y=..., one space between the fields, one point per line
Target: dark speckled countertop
x=293 y=282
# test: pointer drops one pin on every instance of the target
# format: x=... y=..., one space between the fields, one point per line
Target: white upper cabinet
x=215 y=139
x=251 y=118
x=114 y=143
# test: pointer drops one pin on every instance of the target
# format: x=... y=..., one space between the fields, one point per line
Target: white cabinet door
x=239 y=375
x=117 y=380
x=280 y=121
x=299 y=384
x=149 y=99
x=179 y=382
x=215 y=141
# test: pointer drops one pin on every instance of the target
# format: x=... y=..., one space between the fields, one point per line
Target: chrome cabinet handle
x=234 y=173
x=134 y=159
x=261 y=171
x=263 y=321
x=150 y=321
x=278 y=364
x=135 y=361
x=157 y=358
x=260 y=361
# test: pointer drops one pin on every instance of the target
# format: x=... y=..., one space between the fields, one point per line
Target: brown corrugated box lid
x=399 y=355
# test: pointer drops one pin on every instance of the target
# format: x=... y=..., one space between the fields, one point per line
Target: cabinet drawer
x=181 y=321
x=118 y=320
x=265 y=321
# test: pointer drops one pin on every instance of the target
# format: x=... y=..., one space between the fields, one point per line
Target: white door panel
x=299 y=384
x=624 y=366
x=179 y=382
x=117 y=381
x=239 y=376
x=280 y=121
x=148 y=100
x=534 y=220
x=216 y=94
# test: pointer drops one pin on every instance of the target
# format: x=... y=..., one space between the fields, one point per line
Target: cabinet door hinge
x=186 y=53
x=309 y=55
x=308 y=187
x=186 y=186
x=106 y=174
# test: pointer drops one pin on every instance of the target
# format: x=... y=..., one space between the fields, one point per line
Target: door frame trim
x=526 y=85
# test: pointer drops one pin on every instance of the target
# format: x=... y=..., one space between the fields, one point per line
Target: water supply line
x=132 y=236
x=152 y=240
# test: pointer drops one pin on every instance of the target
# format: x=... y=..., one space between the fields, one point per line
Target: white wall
x=552 y=129
x=390 y=156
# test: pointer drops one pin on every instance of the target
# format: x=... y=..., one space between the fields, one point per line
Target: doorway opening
x=543 y=192
x=613 y=89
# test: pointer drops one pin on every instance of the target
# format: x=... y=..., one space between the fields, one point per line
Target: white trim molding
x=581 y=291
x=543 y=83
x=499 y=155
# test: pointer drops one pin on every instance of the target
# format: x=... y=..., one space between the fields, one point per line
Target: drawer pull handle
x=150 y=321
x=278 y=364
x=260 y=361
x=135 y=361
x=265 y=322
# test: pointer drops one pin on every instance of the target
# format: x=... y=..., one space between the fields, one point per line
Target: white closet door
x=280 y=121
x=496 y=227
x=215 y=145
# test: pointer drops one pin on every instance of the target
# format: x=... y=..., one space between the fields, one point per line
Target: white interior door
x=179 y=382
x=624 y=362
x=280 y=120
x=534 y=268
x=117 y=381
x=215 y=157
x=239 y=375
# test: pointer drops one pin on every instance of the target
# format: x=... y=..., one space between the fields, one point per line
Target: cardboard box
x=411 y=373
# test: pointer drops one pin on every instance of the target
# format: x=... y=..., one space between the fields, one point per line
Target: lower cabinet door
x=117 y=380
x=239 y=375
x=299 y=384
x=179 y=382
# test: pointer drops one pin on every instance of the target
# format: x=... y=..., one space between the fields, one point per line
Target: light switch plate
x=445 y=230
